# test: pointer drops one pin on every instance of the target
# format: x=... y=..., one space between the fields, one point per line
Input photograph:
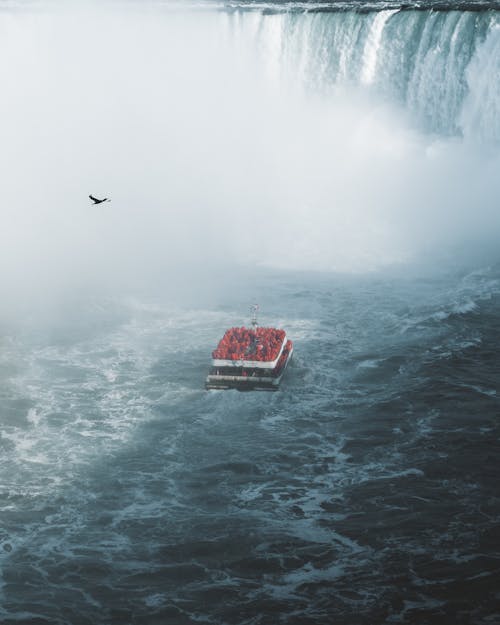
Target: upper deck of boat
x=257 y=345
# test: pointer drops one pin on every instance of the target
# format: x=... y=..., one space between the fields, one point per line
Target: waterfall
x=372 y=46
x=443 y=67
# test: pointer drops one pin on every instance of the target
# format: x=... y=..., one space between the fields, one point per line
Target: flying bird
x=97 y=201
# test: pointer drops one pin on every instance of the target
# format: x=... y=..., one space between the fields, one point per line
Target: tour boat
x=250 y=359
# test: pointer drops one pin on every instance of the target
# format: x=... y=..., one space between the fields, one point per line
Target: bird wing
x=94 y=199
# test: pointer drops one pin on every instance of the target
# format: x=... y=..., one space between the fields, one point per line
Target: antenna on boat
x=255 y=310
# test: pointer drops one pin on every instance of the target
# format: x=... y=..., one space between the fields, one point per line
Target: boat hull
x=247 y=382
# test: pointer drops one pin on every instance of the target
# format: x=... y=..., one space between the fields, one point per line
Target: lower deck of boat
x=245 y=380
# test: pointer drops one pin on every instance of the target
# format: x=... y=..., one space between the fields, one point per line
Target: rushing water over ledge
x=442 y=65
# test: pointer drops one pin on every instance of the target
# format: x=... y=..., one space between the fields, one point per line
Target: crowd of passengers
x=250 y=372
x=260 y=344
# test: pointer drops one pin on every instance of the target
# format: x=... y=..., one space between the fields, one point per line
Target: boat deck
x=239 y=375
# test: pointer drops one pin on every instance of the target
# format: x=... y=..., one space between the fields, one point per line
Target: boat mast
x=255 y=310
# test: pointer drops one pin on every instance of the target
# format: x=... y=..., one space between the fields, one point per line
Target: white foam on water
x=478 y=389
x=155 y=600
x=33 y=416
x=464 y=307
x=423 y=603
x=86 y=405
x=251 y=493
x=371 y=363
x=307 y=574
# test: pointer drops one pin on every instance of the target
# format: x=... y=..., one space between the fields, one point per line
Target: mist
x=212 y=159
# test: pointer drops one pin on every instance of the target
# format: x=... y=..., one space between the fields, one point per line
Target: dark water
x=364 y=491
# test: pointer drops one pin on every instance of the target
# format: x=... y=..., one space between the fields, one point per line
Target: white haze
x=208 y=158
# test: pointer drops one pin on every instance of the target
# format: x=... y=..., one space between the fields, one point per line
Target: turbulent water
x=341 y=171
x=364 y=491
